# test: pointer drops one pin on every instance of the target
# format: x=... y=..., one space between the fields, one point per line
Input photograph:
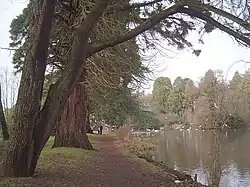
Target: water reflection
x=219 y=158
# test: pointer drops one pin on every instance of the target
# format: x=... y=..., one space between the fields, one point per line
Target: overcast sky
x=218 y=52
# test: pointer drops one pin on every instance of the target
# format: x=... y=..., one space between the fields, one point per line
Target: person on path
x=100 y=129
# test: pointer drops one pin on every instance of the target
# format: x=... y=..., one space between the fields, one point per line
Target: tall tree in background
x=236 y=80
x=33 y=124
x=236 y=93
x=191 y=94
x=161 y=90
x=207 y=102
x=3 y=122
x=176 y=103
x=239 y=89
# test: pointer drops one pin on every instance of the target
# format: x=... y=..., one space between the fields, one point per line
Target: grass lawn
x=55 y=165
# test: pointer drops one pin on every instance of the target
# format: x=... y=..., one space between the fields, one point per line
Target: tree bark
x=85 y=97
x=71 y=131
x=59 y=92
x=3 y=122
x=19 y=154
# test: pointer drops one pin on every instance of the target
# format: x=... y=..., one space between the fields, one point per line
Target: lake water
x=219 y=158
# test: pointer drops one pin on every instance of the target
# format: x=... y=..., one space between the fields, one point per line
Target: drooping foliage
x=116 y=70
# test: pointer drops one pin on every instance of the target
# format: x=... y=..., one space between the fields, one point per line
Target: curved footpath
x=108 y=166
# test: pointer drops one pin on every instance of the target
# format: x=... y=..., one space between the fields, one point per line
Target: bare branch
x=208 y=19
x=7 y=48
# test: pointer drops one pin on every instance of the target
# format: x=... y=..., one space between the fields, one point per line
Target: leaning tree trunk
x=71 y=131
x=59 y=92
x=3 y=122
x=20 y=151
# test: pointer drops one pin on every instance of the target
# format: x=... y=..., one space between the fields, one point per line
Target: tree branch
x=7 y=48
x=118 y=7
x=63 y=5
x=149 y=23
x=223 y=13
x=213 y=22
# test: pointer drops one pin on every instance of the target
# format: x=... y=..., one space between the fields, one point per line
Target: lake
x=219 y=158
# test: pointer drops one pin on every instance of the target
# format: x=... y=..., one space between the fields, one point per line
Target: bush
x=232 y=121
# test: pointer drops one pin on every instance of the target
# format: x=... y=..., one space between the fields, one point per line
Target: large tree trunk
x=71 y=131
x=33 y=126
x=3 y=122
x=19 y=155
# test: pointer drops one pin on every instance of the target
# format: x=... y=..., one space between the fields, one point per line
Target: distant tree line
x=211 y=103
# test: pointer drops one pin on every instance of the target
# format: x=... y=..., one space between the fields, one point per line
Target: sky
x=9 y=9
x=219 y=51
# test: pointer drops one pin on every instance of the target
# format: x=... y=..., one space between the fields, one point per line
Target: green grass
x=141 y=161
x=138 y=149
x=53 y=160
x=141 y=147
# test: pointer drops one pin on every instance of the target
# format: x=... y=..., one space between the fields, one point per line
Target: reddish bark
x=71 y=131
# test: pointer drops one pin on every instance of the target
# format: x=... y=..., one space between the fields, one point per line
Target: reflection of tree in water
x=233 y=135
x=189 y=149
x=177 y=147
x=218 y=153
x=214 y=166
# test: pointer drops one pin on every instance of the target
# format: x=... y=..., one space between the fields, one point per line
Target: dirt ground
x=107 y=166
